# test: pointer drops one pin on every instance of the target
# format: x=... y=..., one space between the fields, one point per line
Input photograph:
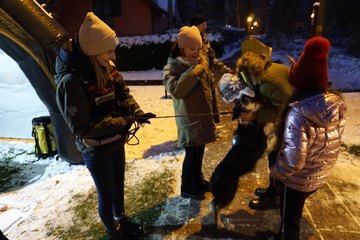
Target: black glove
x=129 y=121
x=142 y=117
x=236 y=109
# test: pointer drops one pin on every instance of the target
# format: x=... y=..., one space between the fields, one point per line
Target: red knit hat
x=310 y=71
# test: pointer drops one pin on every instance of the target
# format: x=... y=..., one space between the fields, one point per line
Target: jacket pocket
x=196 y=133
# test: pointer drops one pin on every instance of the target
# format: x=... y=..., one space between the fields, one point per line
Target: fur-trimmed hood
x=270 y=83
x=254 y=65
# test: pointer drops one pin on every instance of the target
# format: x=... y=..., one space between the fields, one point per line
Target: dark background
x=278 y=19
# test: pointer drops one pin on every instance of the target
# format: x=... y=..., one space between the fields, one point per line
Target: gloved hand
x=199 y=70
x=129 y=121
x=236 y=110
x=142 y=117
x=229 y=70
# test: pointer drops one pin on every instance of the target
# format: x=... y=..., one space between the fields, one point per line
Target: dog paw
x=219 y=224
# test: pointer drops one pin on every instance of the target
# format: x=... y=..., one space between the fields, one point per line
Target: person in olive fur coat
x=269 y=81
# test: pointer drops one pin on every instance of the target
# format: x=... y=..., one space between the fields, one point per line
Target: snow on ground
x=52 y=183
x=55 y=182
x=54 y=190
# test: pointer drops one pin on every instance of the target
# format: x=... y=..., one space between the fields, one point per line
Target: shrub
x=151 y=52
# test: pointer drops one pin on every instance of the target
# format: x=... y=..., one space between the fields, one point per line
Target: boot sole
x=193 y=196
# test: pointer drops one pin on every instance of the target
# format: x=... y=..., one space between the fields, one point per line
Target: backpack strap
x=47 y=136
x=48 y=140
x=37 y=146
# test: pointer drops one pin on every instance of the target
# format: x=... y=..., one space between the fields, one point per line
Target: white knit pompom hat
x=230 y=86
x=189 y=37
x=95 y=36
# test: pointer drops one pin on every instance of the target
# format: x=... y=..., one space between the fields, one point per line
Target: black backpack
x=43 y=133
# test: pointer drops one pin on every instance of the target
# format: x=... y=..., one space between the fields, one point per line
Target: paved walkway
x=332 y=213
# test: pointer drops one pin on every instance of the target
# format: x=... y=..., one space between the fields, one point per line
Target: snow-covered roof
x=158 y=38
x=163 y=4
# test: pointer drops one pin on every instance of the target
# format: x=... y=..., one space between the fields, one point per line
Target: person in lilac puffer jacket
x=312 y=135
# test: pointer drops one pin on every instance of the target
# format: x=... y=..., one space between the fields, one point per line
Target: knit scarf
x=188 y=60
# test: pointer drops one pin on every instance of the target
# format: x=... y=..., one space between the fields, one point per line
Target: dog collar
x=247 y=82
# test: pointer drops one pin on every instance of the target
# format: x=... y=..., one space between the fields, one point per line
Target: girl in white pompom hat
x=99 y=110
x=189 y=82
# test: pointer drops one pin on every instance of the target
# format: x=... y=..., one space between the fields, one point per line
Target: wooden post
x=320 y=23
x=317 y=18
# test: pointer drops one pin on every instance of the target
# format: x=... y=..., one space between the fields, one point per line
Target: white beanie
x=230 y=86
x=95 y=37
x=189 y=37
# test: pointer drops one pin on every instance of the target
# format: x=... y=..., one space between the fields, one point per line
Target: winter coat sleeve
x=217 y=67
x=342 y=118
x=293 y=153
x=180 y=85
x=275 y=92
x=125 y=98
x=75 y=106
x=274 y=102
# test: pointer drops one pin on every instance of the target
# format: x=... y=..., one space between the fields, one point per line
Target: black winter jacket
x=92 y=113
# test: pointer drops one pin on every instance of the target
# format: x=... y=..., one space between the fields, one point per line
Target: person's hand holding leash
x=142 y=117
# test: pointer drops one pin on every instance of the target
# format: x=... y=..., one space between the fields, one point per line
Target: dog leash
x=133 y=131
x=195 y=114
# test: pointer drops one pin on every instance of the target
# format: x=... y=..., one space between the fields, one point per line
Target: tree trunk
x=170 y=14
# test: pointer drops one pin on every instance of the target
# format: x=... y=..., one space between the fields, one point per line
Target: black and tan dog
x=251 y=140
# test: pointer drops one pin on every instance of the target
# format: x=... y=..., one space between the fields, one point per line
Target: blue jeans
x=108 y=174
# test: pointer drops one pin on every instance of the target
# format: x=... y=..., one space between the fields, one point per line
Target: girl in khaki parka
x=188 y=80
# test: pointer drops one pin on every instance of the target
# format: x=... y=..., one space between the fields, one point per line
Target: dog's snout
x=245 y=101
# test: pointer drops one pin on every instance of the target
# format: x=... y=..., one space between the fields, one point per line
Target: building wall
x=160 y=22
x=72 y=13
x=138 y=17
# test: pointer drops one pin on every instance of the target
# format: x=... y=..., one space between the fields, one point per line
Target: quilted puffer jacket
x=311 y=141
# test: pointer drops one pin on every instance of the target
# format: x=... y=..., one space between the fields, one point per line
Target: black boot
x=194 y=189
x=268 y=200
x=291 y=233
x=204 y=184
x=130 y=229
x=113 y=235
x=268 y=235
x=191 y=186
x=196 y=194
x=260 y=191
x=264 y=203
